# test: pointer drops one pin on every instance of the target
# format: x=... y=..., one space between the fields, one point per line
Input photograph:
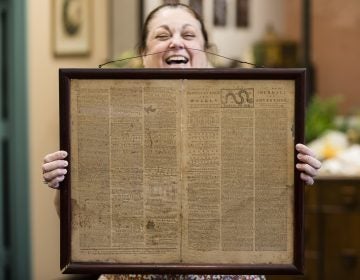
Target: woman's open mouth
x=176 y=59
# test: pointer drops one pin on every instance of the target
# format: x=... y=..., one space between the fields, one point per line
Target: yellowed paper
x=182 y=171
x=238 y=179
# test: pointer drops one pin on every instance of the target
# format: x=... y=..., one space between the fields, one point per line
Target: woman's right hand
x=54 y=168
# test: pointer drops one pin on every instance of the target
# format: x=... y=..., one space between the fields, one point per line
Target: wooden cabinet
x=332 y=230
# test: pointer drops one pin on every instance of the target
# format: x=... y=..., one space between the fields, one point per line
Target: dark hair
x=145 y=31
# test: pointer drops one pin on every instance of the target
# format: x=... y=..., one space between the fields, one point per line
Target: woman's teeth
x=177 y=60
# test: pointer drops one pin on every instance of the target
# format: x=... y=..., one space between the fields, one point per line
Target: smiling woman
x=177 y=36
x=174 y=36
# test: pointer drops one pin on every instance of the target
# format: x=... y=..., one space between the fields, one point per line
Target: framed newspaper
x=182 y=171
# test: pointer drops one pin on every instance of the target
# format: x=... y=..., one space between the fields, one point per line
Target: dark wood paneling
x=332 y=230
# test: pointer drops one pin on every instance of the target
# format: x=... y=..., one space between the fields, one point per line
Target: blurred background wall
x=335 y=55
x=43 y=94
x=334 y=47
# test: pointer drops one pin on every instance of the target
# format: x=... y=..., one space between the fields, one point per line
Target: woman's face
x=178 y=32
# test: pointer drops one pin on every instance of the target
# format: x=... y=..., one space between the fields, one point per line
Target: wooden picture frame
x=109 y=123
x=242 y=13
x=147 y=6
x=71 y=27
x=220 y=16
x=198 y=6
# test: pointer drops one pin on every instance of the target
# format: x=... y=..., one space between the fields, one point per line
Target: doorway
x=14 y=187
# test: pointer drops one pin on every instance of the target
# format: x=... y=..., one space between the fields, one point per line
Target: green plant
x=320 y=116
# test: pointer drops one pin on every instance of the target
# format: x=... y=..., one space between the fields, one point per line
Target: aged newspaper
x=182 y=171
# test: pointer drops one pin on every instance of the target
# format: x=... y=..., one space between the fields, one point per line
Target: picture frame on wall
x=220 y=12
x=242 y=13
x=147 y=6
x=71 y=27
x=171 y=1
x=197 y=5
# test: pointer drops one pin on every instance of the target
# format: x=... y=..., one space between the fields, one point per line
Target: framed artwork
x=71 y=27
x=220 y=12
x=182 y=171
x=147 y=6
x=171 y=1
x=197 y=5
x=242 y=13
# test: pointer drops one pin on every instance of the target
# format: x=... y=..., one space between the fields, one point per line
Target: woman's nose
x=176 y=42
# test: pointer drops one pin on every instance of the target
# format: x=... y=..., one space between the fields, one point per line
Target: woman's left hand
x=309 y=165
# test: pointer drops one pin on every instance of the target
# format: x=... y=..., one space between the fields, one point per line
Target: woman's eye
x=189 y=36
x=162 y=37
